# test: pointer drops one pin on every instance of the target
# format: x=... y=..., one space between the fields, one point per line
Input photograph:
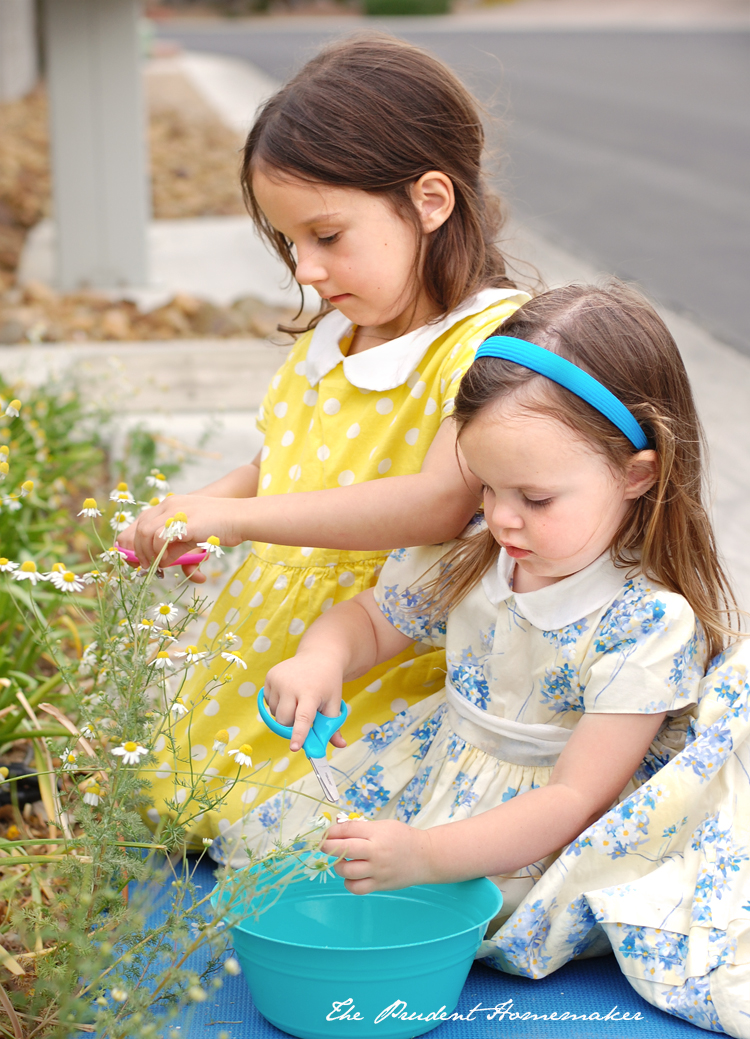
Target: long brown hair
x=614 y=334
x=375 y=113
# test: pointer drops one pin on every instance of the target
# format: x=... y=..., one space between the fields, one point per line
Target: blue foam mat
x=582 y=988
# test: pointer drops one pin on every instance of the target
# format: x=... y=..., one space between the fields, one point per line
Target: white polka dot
x=249 y=795
x=255 y=574
x=309 y=581
x=346 y=478
x=275 y=381
x=280 y=409
x=295 y=472
x=163 y=770
x=224 y=825
x=261 y=625
x=312 y=423
x=264 y=452
x=246 y=689
x=153 y=815
x=256 y=600
x=281 y=582
x=211 y=708
x=332 y=406
x=326 y=605
x=412 y=381
x=374 y=687
x=266 y=481
x=300 y=368
x=232 y=616
x=296 y=627
x=406 y=664
x=281 y=765
x=442 y=386
x=287 y=439
x=353 y=431
x=418 y=389
x=347 y=579
x=234 y=731
x=310 y=397
x=306 y=551
x=431 y=406
x=412 y=437
x=160 y=744
x=198 y=752
x=235 y=588
x=211 y=771
x=384 y=466
x=397 y=706
x=262 y=644
x=456 y=375
x=212 y=630
x=384 y=406
x=180 y=796
x=323 y=453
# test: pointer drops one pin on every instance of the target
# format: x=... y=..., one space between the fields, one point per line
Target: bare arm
x=428 y=507
x=342 y=644
x=242 y=482
x=599 y=759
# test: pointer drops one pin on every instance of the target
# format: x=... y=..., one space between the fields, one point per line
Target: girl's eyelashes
x=328 y=239
x=537 y=503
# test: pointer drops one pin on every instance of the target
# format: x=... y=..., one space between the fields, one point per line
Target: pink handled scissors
x=188 y=559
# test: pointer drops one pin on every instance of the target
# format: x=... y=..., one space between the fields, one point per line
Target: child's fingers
x=337 y=740
x=194 y=573
x=303 y=720
x=354 y=851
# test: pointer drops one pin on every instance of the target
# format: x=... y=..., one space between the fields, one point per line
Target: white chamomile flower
x=165 y=612
x=111 y=556
x=4 y=468
x=93 y=577
x=162 y=660
x=157 y=480
x=207 y=842
x=27 y=487
x=7 y=566
x=212 y=545
x=66 y=581
x=175 y=528
x=146 y=624
x=88 y=656
x=121 y=493
x=231 y=966
x=324 y=819
x=130 y=752
x=68 y=759
x=178 y=707
x=11 y=503
x=120 y=521
x=319 y=869
x=230 y=638
x=235 y=658
x=191 y=654
x=118 y=994
x=165 y=635
x=28 y=572
x=137 y=573
x=242 y=754
x=90 y=509
x=13 y=409
x=345 y=817
x=220 y=741
x=92 y=794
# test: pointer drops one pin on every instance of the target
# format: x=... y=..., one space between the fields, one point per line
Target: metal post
x=97 y=130
x=18 y=57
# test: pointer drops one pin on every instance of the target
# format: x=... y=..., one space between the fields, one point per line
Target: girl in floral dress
x=364 y=174
x=576 y=754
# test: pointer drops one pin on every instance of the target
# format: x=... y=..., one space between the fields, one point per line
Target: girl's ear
x=433 y=199
x=642 y=474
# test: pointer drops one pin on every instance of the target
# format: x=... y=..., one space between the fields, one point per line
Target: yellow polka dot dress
x=328 y=421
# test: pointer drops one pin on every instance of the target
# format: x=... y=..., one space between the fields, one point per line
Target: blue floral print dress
x=659 y=878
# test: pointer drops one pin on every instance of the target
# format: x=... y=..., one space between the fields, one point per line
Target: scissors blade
x=322 y=770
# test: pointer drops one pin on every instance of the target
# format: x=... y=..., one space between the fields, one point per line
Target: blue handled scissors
x=315 y=743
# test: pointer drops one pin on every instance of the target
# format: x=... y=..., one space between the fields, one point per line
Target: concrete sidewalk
x=203 y=393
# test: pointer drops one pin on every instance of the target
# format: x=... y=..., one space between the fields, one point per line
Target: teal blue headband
x=569 y=375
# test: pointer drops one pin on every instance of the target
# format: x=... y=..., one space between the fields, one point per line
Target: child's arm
x=426 y=508
x=342 y=644
x=241 y=482
x=599 y=759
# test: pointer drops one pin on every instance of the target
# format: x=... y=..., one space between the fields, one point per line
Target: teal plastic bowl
x=323 y=962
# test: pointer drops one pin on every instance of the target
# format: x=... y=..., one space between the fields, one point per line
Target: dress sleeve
x=399 y=592
x=648 y=654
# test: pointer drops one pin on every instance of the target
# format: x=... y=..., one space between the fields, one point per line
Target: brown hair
x=614 y=334
x=375 y=113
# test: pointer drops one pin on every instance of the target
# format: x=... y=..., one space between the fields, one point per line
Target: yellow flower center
x=213 y=540
x=180 y=517
x=28 y=485
x=4 y=561
x=246 y=749
x=68 y=577
x=165 y=610
x=5 y=450
x=90 y=503
x=70 y=758
x=159 y=476
x=154 y=501
x=122 y=487
x=130 y=746
x=4 y=467
x=163 y=655
x=222 y=736
x=28 y=567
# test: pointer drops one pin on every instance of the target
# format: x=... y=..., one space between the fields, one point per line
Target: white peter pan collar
x=389 y=365
x=562 y=603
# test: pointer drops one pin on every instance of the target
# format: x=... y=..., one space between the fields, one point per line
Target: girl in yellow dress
x=364 y=173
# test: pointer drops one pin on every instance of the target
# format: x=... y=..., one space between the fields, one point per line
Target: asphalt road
x=629 y=148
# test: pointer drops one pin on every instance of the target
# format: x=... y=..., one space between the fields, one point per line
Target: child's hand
x=381 y=855
x=296 y=689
